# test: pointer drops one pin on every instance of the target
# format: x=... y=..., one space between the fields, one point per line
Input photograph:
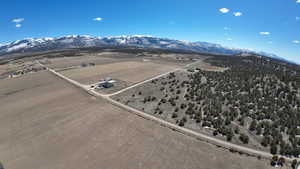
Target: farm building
x=106 y=85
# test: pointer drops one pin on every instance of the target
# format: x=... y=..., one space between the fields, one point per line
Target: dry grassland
x=130 y=72
x=64 y=62
x=206 y=66
x=3 y=69
x=46 y=123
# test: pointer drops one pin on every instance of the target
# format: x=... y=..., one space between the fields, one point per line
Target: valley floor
x=48 y=123
x=53 y=115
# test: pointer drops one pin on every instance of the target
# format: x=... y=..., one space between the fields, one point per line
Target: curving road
x=172 y=126
x=140 y=83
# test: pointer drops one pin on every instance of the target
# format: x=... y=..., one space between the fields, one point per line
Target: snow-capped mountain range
x=76 y=41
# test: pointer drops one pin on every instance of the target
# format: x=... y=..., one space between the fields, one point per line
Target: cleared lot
x=64 y=62
x=130 y=72
x=18 y=69
x=46 y=123
x=3 y=68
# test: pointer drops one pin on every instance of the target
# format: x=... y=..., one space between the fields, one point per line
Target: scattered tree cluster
x=259 y=94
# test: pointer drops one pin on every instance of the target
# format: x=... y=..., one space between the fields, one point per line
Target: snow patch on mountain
x=74 y=41
x=17 y=47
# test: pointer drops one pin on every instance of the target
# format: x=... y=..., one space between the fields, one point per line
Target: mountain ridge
x=146 y=41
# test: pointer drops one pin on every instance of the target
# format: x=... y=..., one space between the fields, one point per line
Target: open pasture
x=130 y=72
x=46 y=123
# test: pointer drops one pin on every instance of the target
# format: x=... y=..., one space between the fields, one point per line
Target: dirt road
x=138 y=84
x=172 y=126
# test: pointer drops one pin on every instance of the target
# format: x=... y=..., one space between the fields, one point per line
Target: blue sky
x=267 y=25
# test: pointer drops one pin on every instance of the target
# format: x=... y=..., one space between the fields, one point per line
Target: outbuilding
x=106 y=85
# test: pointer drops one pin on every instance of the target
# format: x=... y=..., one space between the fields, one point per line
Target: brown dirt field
x=3 y=68
x=131 y=72
x=58 y=63
x=25 y=67
x=10 y=67
x=46 y=123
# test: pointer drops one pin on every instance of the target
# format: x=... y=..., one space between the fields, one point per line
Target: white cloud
x=229 y=39
x=264 y=33
x=237 y=13
x=270 y=42
x=296 y=41
x=18 y=20
x=224 y=10
x=98 y=19
x=298 y=1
